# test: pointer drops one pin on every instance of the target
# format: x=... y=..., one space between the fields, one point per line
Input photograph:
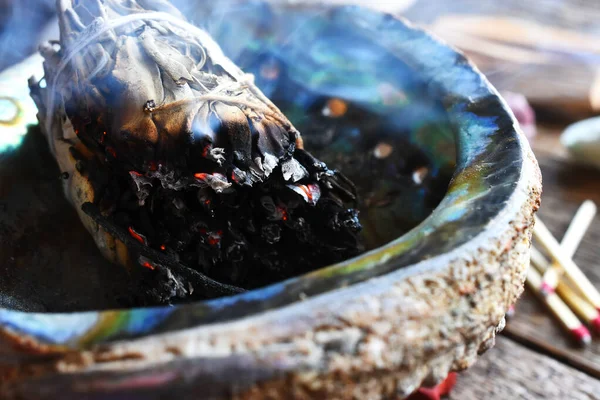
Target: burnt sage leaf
x=179 y=166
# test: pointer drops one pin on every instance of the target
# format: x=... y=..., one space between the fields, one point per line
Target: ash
x=244 y=235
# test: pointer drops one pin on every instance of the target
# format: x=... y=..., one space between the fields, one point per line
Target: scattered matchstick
x=582 y=308
x=559 y=309
x=575 y=232
x=579 y=280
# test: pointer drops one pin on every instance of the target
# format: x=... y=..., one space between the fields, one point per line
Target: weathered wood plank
x=544 y=49
x=580 y=14
x=511 y=371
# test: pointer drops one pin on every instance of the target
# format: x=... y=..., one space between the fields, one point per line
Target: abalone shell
x=448 y=230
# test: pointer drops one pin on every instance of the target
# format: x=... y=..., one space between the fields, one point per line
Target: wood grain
x=580 y=14
x=545 y=49
x=511 y=371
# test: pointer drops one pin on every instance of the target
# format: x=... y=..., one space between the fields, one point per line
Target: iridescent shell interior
x=396 y=111
x=359 y=108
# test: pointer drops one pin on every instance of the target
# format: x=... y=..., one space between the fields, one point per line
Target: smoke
x=20 y=21
x=547 y=68
x=21 y=28
x=24 y=24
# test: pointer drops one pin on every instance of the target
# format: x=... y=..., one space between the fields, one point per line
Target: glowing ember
x=214 y=238
x=335 y=108
x=284 y=214
x=136 y=235
x=163 y=247
x=216 y=181
x=112 y=151
x=311 y=193
x=146 y=264
x=307 y=191
x=135 y=173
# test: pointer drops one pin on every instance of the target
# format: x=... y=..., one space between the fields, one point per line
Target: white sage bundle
x=176 y=161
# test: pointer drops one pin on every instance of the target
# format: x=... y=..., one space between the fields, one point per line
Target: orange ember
x=215 y=238
x=163 y=247
x=135 y=173
x=284 y=214
x=149 y=266
x=136 y=235
x=336 y=108
x=307 y=191
x=200 y=175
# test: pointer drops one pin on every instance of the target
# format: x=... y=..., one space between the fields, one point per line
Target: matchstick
x=582 y=308
x=571 y=240
x=579 y=280
x=559 y=309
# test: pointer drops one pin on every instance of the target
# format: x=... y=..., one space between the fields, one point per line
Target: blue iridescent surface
x=321 y=57
x=406 y=82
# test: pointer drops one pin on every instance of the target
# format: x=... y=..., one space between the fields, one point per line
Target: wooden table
x=534 y=358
